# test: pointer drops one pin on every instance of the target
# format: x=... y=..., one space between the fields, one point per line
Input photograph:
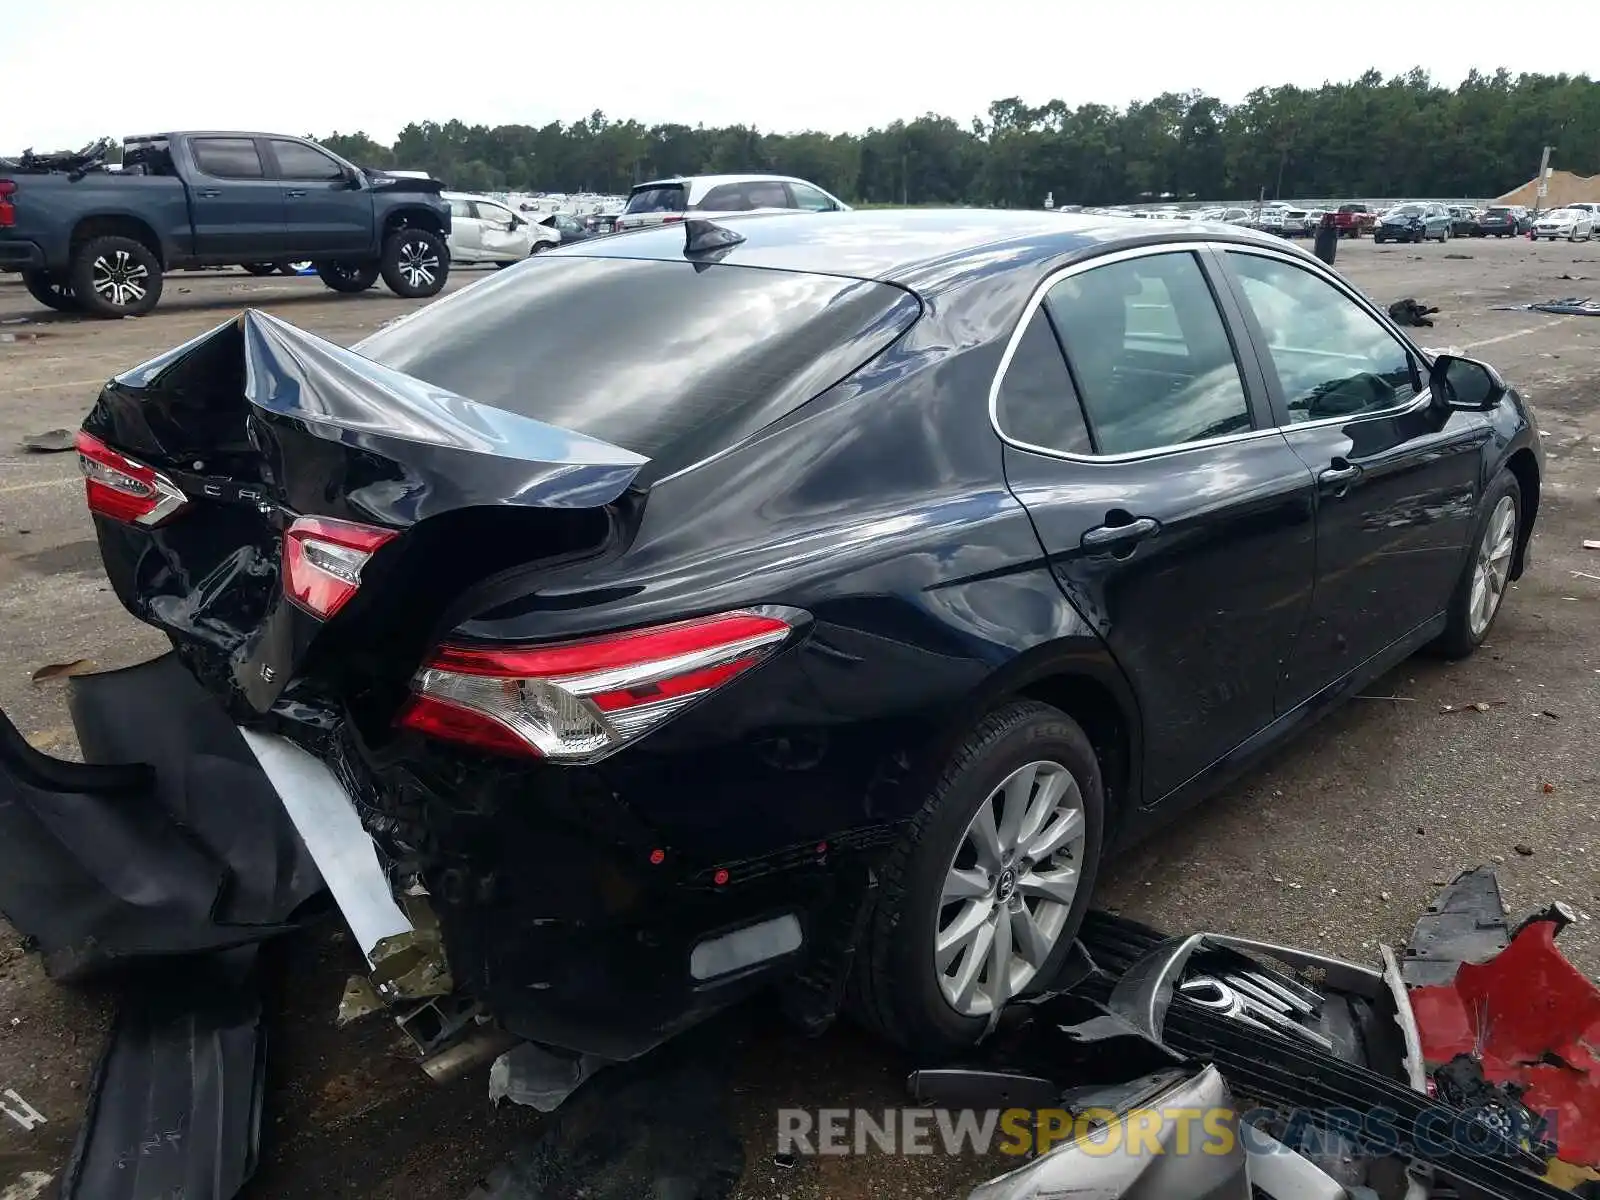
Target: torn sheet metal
x=175 y=1101
x=167 y=841
x=339 y=844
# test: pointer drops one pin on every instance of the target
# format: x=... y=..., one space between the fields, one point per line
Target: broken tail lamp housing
x=118 y=487
x=579 y=701
x=322 y=561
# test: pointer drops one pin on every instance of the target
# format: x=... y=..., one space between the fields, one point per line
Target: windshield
x=658 y=198
x=1406 y=210
x=1498 y=212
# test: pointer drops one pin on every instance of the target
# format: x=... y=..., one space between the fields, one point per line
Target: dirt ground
x=1336 y=844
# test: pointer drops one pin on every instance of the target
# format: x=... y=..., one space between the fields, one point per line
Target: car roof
x=908 y=245
x=474 y=196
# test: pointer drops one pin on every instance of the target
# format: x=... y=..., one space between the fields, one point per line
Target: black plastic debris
x=659 y=1128
x=1410 y=312
x=175 y=1101
x=51 y=441
x=147 y=849
x=1467 y=923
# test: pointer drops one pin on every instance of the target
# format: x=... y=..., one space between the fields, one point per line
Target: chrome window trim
x=1313 y=266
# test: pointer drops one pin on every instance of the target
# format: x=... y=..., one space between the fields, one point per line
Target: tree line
x=1402 y=136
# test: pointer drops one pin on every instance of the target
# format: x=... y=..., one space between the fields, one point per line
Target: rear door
x=502 y=237
x=1397 y=479
x=324 y=212
x=811 y=199
x=1175 y=518
x=466 y=244
x=237 y=206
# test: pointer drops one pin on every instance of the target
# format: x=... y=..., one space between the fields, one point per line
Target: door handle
x=294 y=193
x=1338 y=478
x=1121 y=535
x=209 y=193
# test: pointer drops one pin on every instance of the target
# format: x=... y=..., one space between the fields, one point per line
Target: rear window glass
x=1498 y=212
x=672 y=360
x=668 y=198
x=1352 y=208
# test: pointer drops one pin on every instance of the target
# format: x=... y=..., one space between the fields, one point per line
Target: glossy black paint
x=943 y=570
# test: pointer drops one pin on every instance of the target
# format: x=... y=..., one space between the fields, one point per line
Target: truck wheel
x=347 y=277
x=260 y=268
x=415 y=263
x=115 y=277
x=50 y=291
x=292 y=268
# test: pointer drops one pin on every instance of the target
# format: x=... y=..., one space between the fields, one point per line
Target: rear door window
x=767 y=193
x=228 y=158
x=1150 y=354
x=810 y=199
x=664 y=198
x=710 y=355
x=726 y=197
x=1036 y=403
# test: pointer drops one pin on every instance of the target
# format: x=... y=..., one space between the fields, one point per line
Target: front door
x=238 y=209
x=323 y=210
x=1398 y=478
x=1176 y=519
x=503 y=236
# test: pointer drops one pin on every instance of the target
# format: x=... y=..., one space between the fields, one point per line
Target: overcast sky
x=76 y=69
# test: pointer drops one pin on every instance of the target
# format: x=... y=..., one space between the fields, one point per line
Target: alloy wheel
x=119 y=278
x=417 y=263
x=1009 y=888
x=1492 y=567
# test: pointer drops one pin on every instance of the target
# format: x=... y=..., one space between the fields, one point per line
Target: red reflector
x=579 y=701
x=323 y=559
x=721 y=877
x=122 y=488
x=8 y=212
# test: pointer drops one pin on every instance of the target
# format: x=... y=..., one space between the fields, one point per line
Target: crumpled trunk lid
x=257 y=423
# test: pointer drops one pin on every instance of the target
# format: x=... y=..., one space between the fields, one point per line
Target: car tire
x=896 y=987
x=115 y=277
x=415 y=263
x=51 y=291
x=1466 y=629
x=347 y=277
x=292 y=268
x=260 y=268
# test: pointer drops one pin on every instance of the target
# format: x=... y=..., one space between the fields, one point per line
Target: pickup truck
x=92 y=238
x=1352 y=220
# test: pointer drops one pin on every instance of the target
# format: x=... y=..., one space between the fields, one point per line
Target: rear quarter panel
x=51 y=207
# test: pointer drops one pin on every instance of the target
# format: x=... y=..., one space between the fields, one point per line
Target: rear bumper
x=550 y=911
x=18 y=255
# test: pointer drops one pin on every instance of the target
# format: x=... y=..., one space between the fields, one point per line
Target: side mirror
x=1465 y=384
x=352 y=177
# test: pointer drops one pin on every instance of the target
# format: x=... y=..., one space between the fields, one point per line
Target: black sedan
x=838 y=621
x=1501 y=222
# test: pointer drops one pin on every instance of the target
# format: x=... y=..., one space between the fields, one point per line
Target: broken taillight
x=579 y=701
x=124 y=489
x=322 y=561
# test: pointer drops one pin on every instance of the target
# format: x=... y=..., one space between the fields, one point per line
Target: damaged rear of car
x=384 y=584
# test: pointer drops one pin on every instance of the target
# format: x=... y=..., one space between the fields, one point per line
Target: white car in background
x=1574 y=224
x=663 y=201
x=485 y=231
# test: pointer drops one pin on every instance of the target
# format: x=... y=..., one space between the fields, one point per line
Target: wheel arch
x=1525 y=467
x=413 y=217
x=116 y=225
x=1078 y=676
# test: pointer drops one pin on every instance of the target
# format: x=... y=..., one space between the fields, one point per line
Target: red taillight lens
x=123 y=489
x=579 y=701
x=323 y=559
x=8 y=211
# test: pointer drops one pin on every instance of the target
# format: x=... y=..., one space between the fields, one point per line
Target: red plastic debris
x=1530 y=1017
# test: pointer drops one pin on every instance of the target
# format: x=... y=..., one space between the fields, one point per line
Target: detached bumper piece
x=175 y=1102
x=1332 y=1086
x=150 y=848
